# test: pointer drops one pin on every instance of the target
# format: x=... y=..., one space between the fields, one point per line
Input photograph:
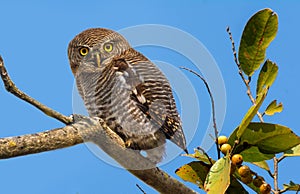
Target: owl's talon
x=128 y=143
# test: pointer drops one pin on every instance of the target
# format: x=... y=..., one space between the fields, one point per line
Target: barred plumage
x=126 y=90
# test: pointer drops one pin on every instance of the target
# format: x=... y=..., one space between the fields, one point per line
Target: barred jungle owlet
x=123 y=87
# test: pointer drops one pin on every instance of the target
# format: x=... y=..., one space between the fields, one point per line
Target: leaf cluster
x=257 y=142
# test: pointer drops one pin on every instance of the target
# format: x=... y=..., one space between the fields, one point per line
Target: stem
x=246 y=81
x=212 y=107
x=204 y=152
x=276 y=189
x=140 y=188
x=281 y=158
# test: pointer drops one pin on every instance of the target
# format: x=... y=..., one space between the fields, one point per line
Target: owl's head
x=94 y=48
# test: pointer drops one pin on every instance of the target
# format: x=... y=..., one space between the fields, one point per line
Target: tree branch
x=84 y=129
x=39 y=142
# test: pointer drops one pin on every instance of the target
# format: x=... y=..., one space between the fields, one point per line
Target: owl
x=125 y=89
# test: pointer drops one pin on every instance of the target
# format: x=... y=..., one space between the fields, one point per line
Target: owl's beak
x=98 y=58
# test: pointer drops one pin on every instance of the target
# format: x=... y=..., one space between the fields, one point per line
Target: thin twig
x=246 y=81
x=140 y=188
x=270 y=173
x=276 y=175
x=284 y=190
x=281 y=158
x=11 y=87
x=236 y=142
x=212 y=107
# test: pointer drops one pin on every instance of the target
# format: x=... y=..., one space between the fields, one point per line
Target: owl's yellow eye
x=108 y=47
x=83 y=51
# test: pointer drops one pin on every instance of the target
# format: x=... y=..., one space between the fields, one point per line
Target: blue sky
x=33 y=42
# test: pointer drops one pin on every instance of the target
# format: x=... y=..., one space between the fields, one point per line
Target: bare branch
x=281 y=158
x=212 y=107
x=39 y=142
x=91 y=128
x=11 y=87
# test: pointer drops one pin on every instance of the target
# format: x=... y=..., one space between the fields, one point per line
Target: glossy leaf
x=292 y=186
x=258 y=33
x=295 y=151
x=273 y=108
x=200 y=156
x=194 y=172
x=253 y=154
x=251 y=113
x=268 y=138
x=267 y=76
x=218 y=178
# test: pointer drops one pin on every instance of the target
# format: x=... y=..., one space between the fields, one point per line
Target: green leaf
x=258 y=33
x=235 y=187
x=267 y=76
x=218 y=178
x=292 y=186
x=194 y=172
x=200 y=156
x=273 y=108
x=295 y=151
x=251 y=113
x=253 y=154
x=268 y=138
x=262 y=164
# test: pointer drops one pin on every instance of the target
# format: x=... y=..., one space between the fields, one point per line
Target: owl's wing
x=152 y=94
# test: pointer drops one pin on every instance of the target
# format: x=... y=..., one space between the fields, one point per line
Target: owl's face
x=93 y=49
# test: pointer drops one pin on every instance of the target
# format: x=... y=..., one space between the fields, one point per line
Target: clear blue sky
x=33 y=41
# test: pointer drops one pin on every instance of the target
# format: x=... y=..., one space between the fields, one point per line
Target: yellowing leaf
x=200 y=156
x=218 y=178
x=295 y=151
x=273 y=108
x=258 y=33
x=194 y=172
x=292 y=186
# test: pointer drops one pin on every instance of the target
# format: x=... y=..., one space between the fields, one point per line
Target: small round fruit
x=247 y=180
x=237 y=159
x=225 y=148
x=258 y=181
x=244 y=171
x=222 y=139
x=265 y=188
